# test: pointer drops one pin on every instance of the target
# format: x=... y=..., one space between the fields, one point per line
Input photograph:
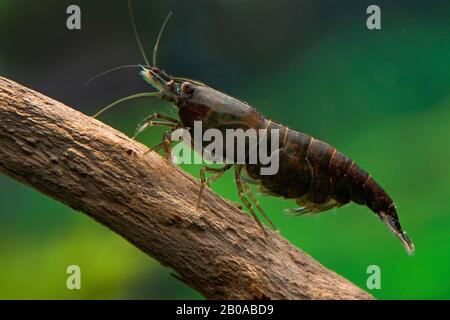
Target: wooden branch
x=220 y=251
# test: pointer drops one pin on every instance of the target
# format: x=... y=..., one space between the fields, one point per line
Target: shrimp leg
x=218 y=172
x=240 y=187
x=156 y=119
x=165 y=145
x=255 y=201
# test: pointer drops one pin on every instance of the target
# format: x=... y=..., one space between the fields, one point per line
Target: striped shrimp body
x=319 y=178
x=311 y=172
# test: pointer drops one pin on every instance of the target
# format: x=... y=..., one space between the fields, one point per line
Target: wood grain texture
x=91 y=167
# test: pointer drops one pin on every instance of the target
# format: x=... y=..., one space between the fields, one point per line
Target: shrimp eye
x=171 y=85
x=187 y=88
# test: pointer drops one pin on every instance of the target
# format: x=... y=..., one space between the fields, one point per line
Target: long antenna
x=134 y=96
x=136 y=35
x=155 y=50
x=112 y=70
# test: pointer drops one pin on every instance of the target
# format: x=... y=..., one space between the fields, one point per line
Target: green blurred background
x=381 y=97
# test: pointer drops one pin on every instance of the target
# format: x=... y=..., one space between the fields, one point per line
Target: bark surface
x=93 y=168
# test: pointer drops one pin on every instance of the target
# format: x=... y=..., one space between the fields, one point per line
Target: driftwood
x=91 y=167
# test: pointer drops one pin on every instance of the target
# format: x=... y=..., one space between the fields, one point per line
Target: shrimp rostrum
x=311 y=172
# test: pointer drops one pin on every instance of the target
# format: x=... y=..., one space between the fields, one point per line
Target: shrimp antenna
x=136 y=35
x=155 y=50
x=134 y=96
x=112 y=70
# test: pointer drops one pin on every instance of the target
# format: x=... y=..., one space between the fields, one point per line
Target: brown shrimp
x=311 y=172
